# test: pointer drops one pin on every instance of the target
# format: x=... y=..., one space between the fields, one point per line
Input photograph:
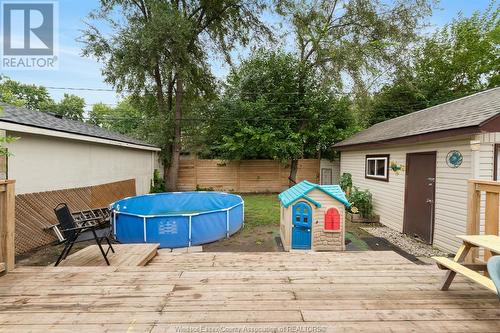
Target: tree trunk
x=294 y=166
x=173 y=168
x=159 y=89
x=170 y=92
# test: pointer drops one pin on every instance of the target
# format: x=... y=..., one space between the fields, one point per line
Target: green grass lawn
x=261 y=210
x=262 y=223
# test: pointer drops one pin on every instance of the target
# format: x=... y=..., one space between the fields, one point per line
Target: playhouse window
x=332 y=219
x=377 y=167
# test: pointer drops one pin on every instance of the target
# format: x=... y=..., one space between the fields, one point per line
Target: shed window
x=377 y=167
x=332 y=219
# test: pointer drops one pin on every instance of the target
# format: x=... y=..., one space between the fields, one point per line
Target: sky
x=76 y=71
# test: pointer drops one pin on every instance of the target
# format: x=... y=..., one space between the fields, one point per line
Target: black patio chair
x=72 y=231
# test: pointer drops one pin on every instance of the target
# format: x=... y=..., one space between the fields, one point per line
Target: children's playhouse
x=313 y=217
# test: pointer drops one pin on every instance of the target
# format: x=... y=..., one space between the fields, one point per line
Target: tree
x=461 y=58
x=102 y=115
x=350 y=42
x=125 y=118
x=20 y=94
x=259 y=117
x=457 y=60
x=159 y=48
x=4 y=138
x=71 y=107
x=396 y=99
x=37 y=98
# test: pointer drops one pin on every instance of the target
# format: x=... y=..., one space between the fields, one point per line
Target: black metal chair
x=72 y=231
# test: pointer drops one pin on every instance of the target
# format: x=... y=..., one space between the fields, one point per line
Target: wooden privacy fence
x=34 y=211
x=7 y=225
x=246 y=176
x=491 y=222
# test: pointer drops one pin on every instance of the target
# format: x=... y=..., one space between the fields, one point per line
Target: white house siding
x=451 y=188
x=44 y=163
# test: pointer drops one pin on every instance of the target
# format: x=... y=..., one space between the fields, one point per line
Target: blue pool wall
x=177 y=219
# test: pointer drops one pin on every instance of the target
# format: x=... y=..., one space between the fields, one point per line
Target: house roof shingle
x=23 y=116
x=465 y=112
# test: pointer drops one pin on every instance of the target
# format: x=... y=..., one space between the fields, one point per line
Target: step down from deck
x=125 y=255
x=467 y=272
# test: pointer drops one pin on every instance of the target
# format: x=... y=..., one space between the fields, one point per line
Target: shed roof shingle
x=23 y=116
x=464 y=112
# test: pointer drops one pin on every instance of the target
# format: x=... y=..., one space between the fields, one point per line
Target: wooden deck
x=125 y=255
x=314 y=292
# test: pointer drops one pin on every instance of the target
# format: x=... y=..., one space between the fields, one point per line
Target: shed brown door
x=419 y=196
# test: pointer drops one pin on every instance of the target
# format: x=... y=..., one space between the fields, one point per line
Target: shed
x=416 y=166
x=313 y=217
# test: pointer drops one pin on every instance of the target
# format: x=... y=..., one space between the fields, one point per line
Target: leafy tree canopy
x=160 y=48
x=458 y=60
x=70 y=106
x=353 y=43
x=461 y=58
x=396 y=99
x=20 y=94
x=266 y=113
x=125 y=118
x=37 y=98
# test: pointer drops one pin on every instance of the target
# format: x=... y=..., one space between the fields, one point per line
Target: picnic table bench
x=457 y=264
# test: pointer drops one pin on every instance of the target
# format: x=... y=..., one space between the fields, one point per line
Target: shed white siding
x=44 y=163
x=451 y=187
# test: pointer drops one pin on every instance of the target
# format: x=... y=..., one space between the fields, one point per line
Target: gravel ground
x=408 y=244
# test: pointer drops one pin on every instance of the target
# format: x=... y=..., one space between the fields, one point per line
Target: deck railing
x=491 y=210
x=7 y=225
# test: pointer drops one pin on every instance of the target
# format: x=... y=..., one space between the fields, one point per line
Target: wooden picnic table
x=457 y=264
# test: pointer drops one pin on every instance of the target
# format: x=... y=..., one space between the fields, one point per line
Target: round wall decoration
x=454 y=159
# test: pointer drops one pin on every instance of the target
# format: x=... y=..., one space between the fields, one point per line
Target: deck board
x=361 y=292
x=125 y=255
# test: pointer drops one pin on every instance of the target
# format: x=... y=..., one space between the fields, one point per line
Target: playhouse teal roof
x=300 y=191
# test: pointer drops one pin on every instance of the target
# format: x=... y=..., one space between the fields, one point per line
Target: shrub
x=157 y=184
x=362 y=200
x=346 y=182
x=204 y=189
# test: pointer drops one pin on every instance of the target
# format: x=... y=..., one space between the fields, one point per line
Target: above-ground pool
x=177 y=219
